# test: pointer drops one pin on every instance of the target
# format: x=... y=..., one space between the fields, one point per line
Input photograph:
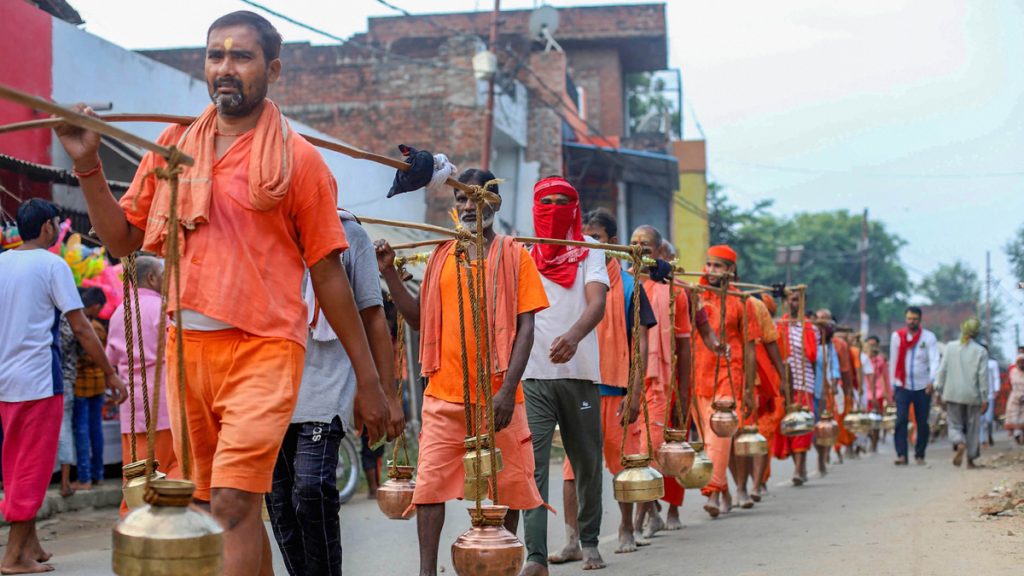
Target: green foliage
x=950 y=283
x=830 y=264
x=645 y=96
x=1015 y=253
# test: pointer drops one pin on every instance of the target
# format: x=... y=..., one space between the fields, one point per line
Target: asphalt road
x=865 y=517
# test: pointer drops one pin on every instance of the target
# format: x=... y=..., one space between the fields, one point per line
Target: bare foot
x=36 y=551
x=571 y=553
x=640 y=540
x=81 y=486
x=627 y=543
x=66 y=491
x=958 y=458
x=592 y=559
x=755 y=494
x=26 y=567
x=745 y=501
x=672 y=521
x=712 y=507
x=726 y=502
x=798 y=481
x=534 y=569
x=654 y=524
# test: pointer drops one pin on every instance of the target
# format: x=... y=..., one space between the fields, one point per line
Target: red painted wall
x=26 y=57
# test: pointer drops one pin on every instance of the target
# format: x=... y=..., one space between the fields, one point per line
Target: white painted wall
x=87 y=68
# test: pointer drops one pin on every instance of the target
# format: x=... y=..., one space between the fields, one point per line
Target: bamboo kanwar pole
x=413 y=225
x=338 y=147
x=87 y=122
x=419 y=244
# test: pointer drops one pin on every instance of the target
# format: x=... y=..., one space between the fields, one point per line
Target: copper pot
x=675 y=456
x=470 y=459
x=168 y=537
x=134 y=488
x=797 y=421
x=394 y=497
x=724 y=421
x=750 y=442
x=700 y=473
x=826 y=431
x=488 y=549
x=638 y=481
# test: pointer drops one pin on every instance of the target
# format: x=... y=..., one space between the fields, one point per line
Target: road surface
x=865 y=517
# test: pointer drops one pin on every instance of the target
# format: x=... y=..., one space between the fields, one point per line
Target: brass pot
x=889 y=420
x=724 y=421
x=395 y=496
x=750 y=442
x=473 y=491
x=797 y=421
x=874 y=421
x=856 y=423
x=134 y=488
x=169 y=537
x=638 y=482
x=469 y=460
x=826 y=431
x=488 y=549
x=675 y=456
x=700 y=473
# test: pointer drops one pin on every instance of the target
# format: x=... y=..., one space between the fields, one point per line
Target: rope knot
x=484 y=195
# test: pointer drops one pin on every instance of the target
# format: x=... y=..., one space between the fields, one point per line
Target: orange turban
x=722 y=252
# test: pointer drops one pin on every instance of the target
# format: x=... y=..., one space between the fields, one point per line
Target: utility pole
x=485 y=161
x=988 y=298
x=1016 y=341
x=864 y=322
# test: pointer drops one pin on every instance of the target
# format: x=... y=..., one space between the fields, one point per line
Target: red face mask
x=557 y=263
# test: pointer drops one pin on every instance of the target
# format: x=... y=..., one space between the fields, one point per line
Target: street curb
x=107 y=495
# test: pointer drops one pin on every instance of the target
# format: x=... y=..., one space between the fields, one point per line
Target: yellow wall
x=690 y=230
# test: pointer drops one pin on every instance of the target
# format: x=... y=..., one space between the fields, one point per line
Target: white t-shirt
x=36 y=288
x=565 y=306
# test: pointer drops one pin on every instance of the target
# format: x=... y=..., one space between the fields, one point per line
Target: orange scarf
x=502 y=279
x=270 y=172
x=613 y=342
x=659 y=348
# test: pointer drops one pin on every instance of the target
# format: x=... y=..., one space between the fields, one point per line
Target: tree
x=957 y=283
x=951 y=283
x=831 y=261
x=1015 y=253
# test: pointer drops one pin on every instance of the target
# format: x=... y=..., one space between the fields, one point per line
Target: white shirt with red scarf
x=922 y=361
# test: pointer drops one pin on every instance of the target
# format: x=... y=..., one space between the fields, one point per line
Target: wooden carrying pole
x=86 y=122
x=94 y=124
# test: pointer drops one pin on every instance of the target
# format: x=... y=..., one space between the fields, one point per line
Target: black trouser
x=922 y=406
x=303 y=502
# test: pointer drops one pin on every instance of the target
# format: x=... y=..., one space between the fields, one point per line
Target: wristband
x=91 y=172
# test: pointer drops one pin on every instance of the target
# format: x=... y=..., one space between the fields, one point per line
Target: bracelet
x=91 y=172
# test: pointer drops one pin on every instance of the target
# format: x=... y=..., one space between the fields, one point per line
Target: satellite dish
x=543 y=25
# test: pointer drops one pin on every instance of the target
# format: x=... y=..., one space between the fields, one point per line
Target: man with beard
x=914 y=363
x=515 y=294
x=720 y=266
x=660 y=380
x=256 y=209
x=564 y=368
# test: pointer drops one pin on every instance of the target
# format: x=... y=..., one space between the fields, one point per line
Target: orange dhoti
x=785 y=446
x=440 y=474
x=659 y=417
x=718 y=449
x=611 y=432
x=239 y=397
x=163 y=452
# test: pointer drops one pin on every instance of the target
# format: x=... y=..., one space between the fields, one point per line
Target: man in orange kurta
x=257 y=209
x=673 y=332
x=721 y=263
x=514 y=294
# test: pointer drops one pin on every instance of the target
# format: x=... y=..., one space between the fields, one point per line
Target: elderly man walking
x=962 y=385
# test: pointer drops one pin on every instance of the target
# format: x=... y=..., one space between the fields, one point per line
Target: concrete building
x=409 y=79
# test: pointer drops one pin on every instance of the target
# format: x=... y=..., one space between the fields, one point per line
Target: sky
x=913 y=109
